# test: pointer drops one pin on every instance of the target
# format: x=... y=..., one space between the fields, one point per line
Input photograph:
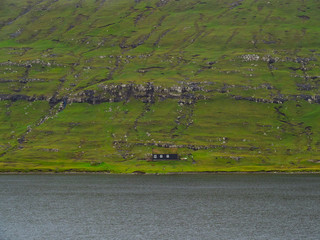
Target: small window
x=167 y=155
x=161 y=156
x=154 y=156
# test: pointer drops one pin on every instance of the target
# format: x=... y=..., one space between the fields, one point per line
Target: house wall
x=165 y=156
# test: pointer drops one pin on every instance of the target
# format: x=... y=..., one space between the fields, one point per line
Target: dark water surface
x=159 y=207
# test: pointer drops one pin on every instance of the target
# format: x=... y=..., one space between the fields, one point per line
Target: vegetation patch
x=102 y=85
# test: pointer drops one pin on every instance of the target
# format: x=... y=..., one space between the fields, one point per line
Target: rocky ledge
x=186 y=93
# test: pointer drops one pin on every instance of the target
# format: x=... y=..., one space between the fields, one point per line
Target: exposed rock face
x=269 y=59
x=187 y=93
x=119 y=92
x=147 y=93
x=193 y=147
x=17 y=97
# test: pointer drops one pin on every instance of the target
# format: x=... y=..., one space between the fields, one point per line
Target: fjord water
x=159 y=207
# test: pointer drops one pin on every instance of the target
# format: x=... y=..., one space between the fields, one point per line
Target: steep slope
x=95 y=85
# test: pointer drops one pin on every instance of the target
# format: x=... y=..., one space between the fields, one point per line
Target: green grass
x=53 y=52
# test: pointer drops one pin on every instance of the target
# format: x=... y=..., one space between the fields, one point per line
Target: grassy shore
x=155 y=168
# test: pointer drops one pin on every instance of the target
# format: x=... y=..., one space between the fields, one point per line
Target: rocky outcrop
x=195 y=147
x=281 y=98
x=17 y=97
x=272 y=59
x=186 y=93
x=148 y=93
x=278 y=100
x=30 y=63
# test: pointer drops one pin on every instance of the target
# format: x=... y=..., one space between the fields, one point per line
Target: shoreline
x=168 y=173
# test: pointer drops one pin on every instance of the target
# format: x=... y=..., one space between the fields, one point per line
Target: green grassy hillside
x=95 y=85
